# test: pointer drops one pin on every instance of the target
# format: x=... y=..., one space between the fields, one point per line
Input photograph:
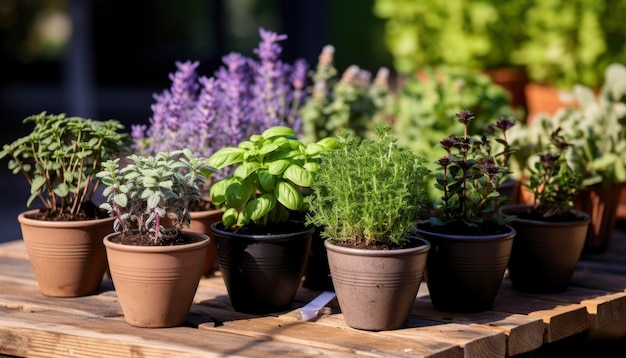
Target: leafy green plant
x=368 y=191
x=552 y=181
x=353 y=102
x=469 y=179
x=595 y=127
x=60 y=159
x=423 y=106
x=273 y=172
x=147 y=190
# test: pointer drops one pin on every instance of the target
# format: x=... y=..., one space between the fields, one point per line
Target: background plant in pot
x=550 y=232
x=154 y=264
x=367 y=195
x=59 y=158
x=262 y=242
x=206 y=113
x=471 y=242
x=596 y=130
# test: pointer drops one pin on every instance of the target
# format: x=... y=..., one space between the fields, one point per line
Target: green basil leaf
x=238 y=192
x=266 y=180
x=288 y=195
x=298 y=175
x=278 y=131
x=225 y=157
x=278 y=167
x=261 y=206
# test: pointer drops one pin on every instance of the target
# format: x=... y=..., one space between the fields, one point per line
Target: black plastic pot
x=464 y=272
x=262 y=273
x=545 y=253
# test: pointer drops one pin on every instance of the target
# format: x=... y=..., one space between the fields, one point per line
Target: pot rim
x=155 y=249
x=22 y=219
x=269 y=237
x=423 y=248
x=512 y=208
x=507 y=235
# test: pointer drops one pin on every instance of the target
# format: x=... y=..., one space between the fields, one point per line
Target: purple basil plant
x=244 y=97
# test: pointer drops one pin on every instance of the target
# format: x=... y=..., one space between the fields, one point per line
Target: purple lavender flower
x=244 y=97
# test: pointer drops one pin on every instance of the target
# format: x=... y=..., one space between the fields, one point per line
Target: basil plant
x=273 y=174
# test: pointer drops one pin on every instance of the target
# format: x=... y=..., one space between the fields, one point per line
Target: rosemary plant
x=368 y=192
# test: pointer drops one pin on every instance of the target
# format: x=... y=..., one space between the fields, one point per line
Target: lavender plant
x=469 y=178
x=245 y=96
x=353 y=102
x=151 y=189
x=60 y=159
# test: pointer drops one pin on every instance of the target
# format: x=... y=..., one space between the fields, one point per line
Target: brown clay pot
x=201 y=222
x=156 y=285
x=545 y=253
x=376 y=289
x=68 y=257
x=464 y=272
x=601 y=204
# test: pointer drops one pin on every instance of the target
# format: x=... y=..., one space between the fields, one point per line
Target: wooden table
x=36 y=326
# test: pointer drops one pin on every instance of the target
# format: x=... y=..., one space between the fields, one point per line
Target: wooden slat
x=524 y=333
x=53 y=334
x=337 y=338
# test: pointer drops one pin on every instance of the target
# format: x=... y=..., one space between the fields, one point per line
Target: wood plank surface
x=93 y=326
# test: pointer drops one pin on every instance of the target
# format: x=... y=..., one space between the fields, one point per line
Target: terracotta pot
x=156 y=285
x=68 y=257
x=201 y=222
x=464 y=272
x=514 y=81
x=601 y=204
x=262 y=272
x=376 y=289
x=542 y=100
x=545 y=253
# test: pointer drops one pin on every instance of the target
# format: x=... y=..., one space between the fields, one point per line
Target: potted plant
x=595 y=128
x=154 y=264
x=262 y=241
x=367 y=195
x=423 y=105
x=470 y=241
x=353 y=102
x=550 y=232
x=59 y=158
x=206 y=113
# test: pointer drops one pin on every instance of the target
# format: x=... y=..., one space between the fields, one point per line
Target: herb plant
x=353 y=102
x=553 y=182
x=469 y=179
x=245 y=96
x=272 y=175
x=60 y=159
x=150 y=191
x=368 y=191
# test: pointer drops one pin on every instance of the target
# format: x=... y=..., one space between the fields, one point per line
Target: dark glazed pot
x=464 y=272
x=262 y=272
x=544 y=254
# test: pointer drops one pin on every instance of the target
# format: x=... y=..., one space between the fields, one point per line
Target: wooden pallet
x=37 y=326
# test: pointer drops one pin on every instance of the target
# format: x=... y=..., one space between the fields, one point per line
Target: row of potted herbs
x=365 y=195
x=370 y=193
